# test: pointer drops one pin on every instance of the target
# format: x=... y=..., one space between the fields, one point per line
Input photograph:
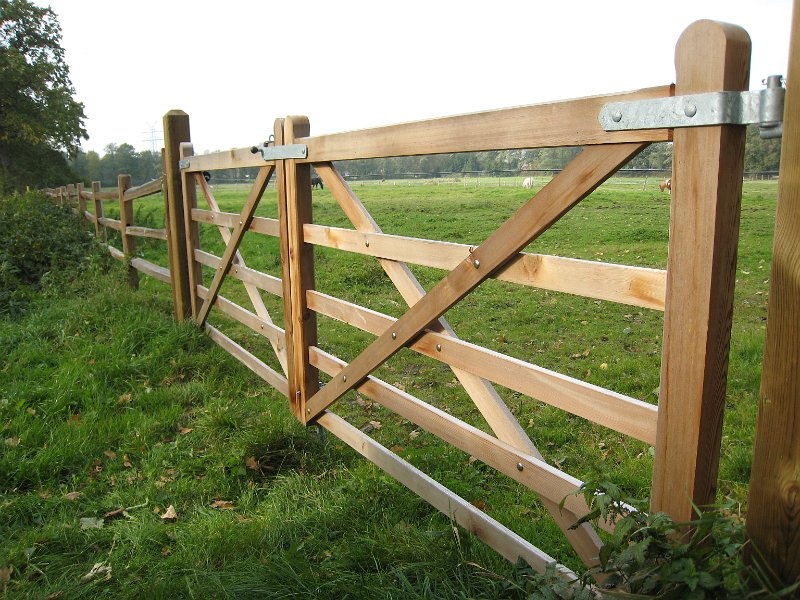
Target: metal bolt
x=344 y=377
x=520 y=467
x=438 y=347
x=366 y=243
x=308 y=411
x=616 y=116
x=241 y=223
x=476 y=263
x=690 y=110
x=394 y=335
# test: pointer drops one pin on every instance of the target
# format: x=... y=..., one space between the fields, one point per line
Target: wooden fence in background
x=695 y=291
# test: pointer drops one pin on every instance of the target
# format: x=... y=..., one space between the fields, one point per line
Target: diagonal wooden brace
x=245 y=218
x=585 y=173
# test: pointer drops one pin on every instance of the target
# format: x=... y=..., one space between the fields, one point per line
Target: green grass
x=101 y=393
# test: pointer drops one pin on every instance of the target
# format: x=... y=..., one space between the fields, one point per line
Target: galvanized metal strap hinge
x=271 y=152
x=764 y=108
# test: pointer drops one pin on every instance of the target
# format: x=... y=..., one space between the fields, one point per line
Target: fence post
x=297 y=260
x=70 y=191
x=125 y=221
x=99 y=213
x=81 y=203
x=191 y=234
x=708 y=163
x=773 y=517
x=176 y=131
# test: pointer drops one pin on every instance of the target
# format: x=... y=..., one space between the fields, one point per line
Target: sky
x=236 y=65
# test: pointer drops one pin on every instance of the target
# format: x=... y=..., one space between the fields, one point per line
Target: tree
x=38 y=114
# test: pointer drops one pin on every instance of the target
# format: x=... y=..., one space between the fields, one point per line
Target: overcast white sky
x=235 y=66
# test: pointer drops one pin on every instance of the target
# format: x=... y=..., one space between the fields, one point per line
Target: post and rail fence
x=695 y=291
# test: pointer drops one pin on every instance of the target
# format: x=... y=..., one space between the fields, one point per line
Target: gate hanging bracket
x=764 y=108
x=269 y=151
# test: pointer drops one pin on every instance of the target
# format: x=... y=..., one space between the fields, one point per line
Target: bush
x=38 y=241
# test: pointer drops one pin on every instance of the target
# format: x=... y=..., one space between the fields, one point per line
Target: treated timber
x=191 y=232
x=703 y=235
x=263 y=225
x=229 y=159
x=146 y=189
x=607 y=408
x=262 y=281
x=635 y=286
x=480 y=391
x=259 y=325
x=125 y=221
x=773 y=516
x=153 y=270
x=99 y=229
x=583 y=174
x=507 y=543
x=566 y=123
x=148 y=232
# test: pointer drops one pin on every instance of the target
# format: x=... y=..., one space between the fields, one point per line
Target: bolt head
x=616 y=116
x=690 y=110
x=520 y=466
x=476 y=263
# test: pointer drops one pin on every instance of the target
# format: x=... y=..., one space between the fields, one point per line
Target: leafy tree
x=37 y=109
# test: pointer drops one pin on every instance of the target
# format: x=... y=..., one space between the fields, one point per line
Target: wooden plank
x=236 y=158
x=607 y=408
x=635 y=286
x=261 y=326
x=773 y=516
x=89 y=216
x=294 y=202
x=704 y=230
x=146 y=189
x=246 y=215
x=567 y=123
x=151 y=269
x=115 y=253
x=263 y=225
x=112 y=223
x=248 y=359
x=99 y=230
x=148 y=232
x=252 y=291
x=507 y=543
x=191 y=232
x=105 y=196
x=585 y=173
x=125 y=221
x=262 y=281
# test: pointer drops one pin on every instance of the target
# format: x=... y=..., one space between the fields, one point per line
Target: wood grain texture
x=125 y=221
x=773 y=517
x=191 y=232
x=704 y=227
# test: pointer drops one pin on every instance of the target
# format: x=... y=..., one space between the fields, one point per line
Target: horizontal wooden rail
x=262 y=281
x=115 y=253
x=635 y=286
x=108 y=195
x=236 y=158
x=89 y=216
x=153 y=270
x=146 y=189
x=158 y=234
x=607 y=408
x=263 y=225
x=259 y=325
x=113 y=223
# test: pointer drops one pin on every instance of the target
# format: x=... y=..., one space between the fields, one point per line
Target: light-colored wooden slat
x=116 y=253
x=148 y=232
x=507 y=543
x=153 y=270
x=113 y=223
x=190 y=234
x=567 y=123
x=87 y=195
x=537 y=475
x=583 y=174
x=99 y=230
x=263 y=225
x=261 y=326
x=262 y=281
x=635 y=286
x=259 y=185
x=248 y=359
x=126 y=220
x=701 y=271
x=480 y=391
x=252 y=291
x=607 y=408
x=107 y=196
x=146 y=189
x=773 y=512
x=89 y=216
x=236 y=158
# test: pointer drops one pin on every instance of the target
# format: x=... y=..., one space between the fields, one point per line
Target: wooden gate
x=695 y=291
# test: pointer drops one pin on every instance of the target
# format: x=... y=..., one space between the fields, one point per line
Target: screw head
x=690 y=110
x=616 y=116
x=476 y=263
x=520 y=466
x=344 y=377
x=366 y=243
x=438 y=347
x=394 y=335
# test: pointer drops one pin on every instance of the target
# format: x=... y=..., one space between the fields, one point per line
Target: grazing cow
x=317 y=181
x=527 y=183
x=666 y=185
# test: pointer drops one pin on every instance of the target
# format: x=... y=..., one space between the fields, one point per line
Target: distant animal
x=527 y=183
x=207 y=176
x=666 y=185
x=317 y=181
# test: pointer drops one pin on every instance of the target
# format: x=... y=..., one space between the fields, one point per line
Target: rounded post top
x=712 y=56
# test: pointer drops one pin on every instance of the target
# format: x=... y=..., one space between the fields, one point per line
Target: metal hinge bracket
x=764 y=108
x=271 y=152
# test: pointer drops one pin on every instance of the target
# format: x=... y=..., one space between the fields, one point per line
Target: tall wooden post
x=99 y=212
x=297 y=258
x=191 y=235
x=176 y=132
x=70 y=191
x=707 y=168
x=125 y=221
x=773 y=518
x=81 y=203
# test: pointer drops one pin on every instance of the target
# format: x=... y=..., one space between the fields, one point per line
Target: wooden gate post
x=99 y=212
x=708 y=163
x=125 y=221
x=176 y=131
x=773 y=517
x=297 y=259
x=191 y=235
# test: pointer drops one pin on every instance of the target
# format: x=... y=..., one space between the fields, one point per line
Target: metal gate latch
x=764 y=108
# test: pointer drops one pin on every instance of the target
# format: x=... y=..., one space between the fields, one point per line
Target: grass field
x=106 y=404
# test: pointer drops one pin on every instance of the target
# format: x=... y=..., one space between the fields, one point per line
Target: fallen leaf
x=114 y=514
x=166 y=551
x=479 y=504
x=72 y=495
x=251 y=463
x=604 y=366
x=98 y=570
x=170 y=516
x=222 y=504
x=12 y=441
x=375 y=424
x=31 y=411
x=74 y=419
x=126 y=462
x=110 y=454
x=367 y=427
x=91 y=523
x=185 y=430
x=414 y=434
x=55 y=596
x=5 y=574
x=125 y=398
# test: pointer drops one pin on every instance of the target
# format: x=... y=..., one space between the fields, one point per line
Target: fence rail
x=695 y=291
